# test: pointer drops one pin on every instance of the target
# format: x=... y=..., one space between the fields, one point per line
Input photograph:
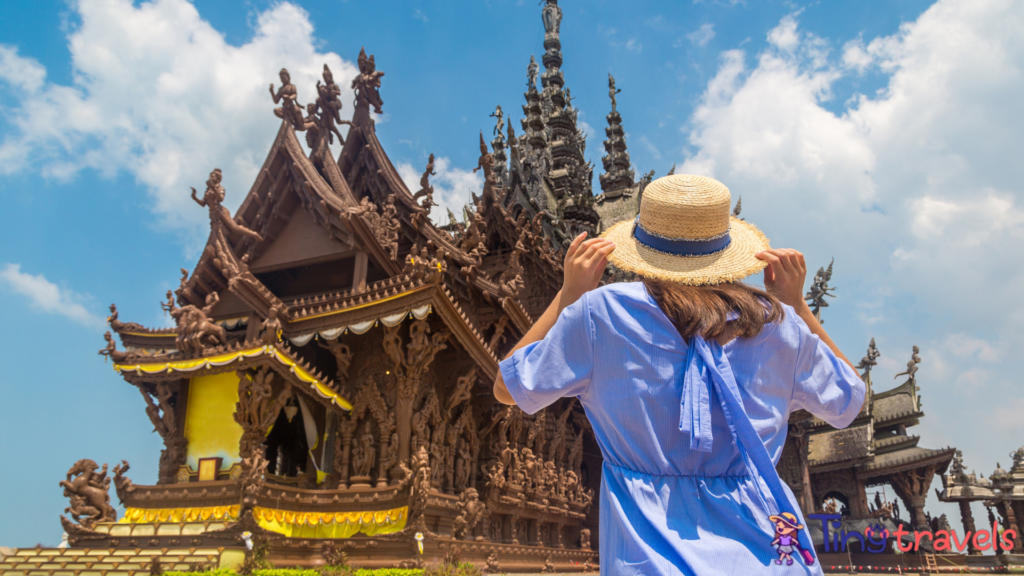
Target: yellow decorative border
x=289 y=523
x=150 y=515
x=223 y=359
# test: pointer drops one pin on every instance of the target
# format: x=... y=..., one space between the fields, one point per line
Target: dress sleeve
x=556 y=367
x=825 y=386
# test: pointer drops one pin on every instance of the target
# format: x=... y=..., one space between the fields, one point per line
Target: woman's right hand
x=784 y=277
x=584 y=265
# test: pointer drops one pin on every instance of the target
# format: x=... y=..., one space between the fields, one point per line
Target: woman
x=688 y=379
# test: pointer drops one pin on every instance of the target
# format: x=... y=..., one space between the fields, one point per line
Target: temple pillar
x=912 y=487
x=347 y=431
x=1018 y=511
x=1012 y=522
x=968 y=519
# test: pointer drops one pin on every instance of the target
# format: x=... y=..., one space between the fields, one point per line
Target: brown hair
x=703 y=309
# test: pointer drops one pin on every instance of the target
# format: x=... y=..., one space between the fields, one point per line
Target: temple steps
x=104 y=562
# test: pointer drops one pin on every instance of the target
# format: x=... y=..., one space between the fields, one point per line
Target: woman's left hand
x=584 y=266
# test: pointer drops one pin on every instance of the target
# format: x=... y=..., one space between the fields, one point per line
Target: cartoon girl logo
x=786 y=541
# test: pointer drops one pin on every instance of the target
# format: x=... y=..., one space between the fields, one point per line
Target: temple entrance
x=286 y=446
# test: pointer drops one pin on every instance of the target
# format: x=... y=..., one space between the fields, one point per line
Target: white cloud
x=160 y=95
x=651 y=148
x=701 y=36
x=419 y=15
x=47 y=296
x=452 y=186
x=634 y=45
x=784 y=36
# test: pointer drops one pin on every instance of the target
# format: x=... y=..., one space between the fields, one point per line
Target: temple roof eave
x=902 y=460
x=277 y=357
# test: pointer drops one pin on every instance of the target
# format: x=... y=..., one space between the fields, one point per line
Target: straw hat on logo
x=789 y=519
x=685 y=233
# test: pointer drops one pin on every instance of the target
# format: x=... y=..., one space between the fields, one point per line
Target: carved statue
x=871 y=360
x=88 y=491
x=254 y=411
x=493 y=565
x=425 y=188
x=220 y=217
x=418 y=479
x=195 y=329
x=328 y=102
x=290 y=109
x=531 y=74
x=111 y=350
x=364 y=453
x=911 y=366
x=463 y=389
x=552 y=18
x=367 y=83
x=471 y=511
x=612 y=91
x=819 y=289
x=500 y=124
x=390 y=456
x=342 y=356
x=122 y=326
x=585 y=538
x=270 y=329
x=462 y=466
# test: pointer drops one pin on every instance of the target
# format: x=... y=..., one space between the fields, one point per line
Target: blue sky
x=884 y=134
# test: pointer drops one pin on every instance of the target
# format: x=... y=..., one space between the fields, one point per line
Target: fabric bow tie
x=701 y=369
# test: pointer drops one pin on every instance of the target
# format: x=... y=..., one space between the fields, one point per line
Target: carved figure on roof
x=270 y=329
x=169 y=306
x=367 y=83
x=111 y=350
x=499 y=126
x=119 y=326
x=485 y=162
x=612 y=91
x=390 y=225
x=195 y=329
x=89 y=493
x=328 y=101
x=290 y=109
x=1018 y=457
x=819 y=289
x=220 y=217
x=911 y=366
x=552 y=18
x=311 y=125
x=531 y=73
x=870 y=360
x=426 y=191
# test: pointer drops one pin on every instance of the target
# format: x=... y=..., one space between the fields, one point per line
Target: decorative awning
x=195 y=364
x=418 y=313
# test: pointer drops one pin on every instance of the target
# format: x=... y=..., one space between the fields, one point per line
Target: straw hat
x=789 y=519
x=685 y=233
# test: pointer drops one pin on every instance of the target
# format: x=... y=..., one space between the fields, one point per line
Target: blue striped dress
x=689 y=432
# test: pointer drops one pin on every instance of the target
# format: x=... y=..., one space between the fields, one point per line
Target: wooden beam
x=359 y=274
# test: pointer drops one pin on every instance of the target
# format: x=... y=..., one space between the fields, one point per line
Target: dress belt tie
x=708 y=373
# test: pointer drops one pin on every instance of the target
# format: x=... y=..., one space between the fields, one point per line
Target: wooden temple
x=328 y=381
x=1002 y=491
